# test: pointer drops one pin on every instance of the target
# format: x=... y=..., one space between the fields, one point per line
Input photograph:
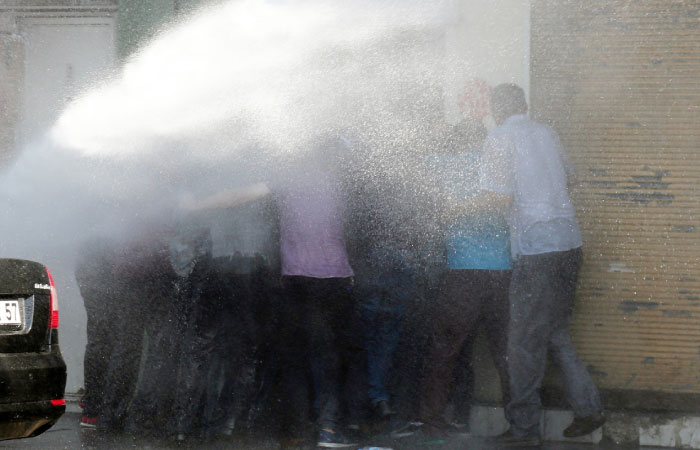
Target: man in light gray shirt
x=525 y=170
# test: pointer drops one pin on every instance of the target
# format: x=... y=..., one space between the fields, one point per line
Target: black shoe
x=582 y=426
x=508 y=439
x=383 y=409
x=328 y=438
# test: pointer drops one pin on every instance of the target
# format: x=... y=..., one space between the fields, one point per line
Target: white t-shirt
x=525 y=159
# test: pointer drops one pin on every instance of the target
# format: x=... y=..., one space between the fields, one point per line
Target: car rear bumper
x=32 y=377
x=28 y=384
x=21 y=420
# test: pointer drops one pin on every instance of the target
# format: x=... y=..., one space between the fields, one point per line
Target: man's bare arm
x=225 y=199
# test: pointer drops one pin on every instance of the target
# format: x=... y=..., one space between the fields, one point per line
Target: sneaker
x=328 y=438
x=88 y=422
x=582 y=426
x=508 y=439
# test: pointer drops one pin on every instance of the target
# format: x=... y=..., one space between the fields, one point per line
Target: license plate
x=10 y=312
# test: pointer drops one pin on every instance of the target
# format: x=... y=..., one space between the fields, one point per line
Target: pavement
x=67 y=434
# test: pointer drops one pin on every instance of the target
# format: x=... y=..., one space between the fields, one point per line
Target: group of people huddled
x=334 y=301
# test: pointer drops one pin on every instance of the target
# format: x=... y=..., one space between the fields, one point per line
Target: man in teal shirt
x=474 y=285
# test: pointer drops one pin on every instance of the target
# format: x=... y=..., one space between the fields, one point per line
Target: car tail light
x=53 y=304
x=58 y=402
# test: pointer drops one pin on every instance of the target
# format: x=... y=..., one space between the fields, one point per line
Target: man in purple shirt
x=316 y=276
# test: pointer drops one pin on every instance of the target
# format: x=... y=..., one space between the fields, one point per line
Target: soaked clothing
x=317 y=281
x=100 y=291
x=138 y=267
x=384 y=296
x=202 y=360
x=525 y=159
x=151 y=282
x=473 y=293
x=312 y=237
x=247 y=234
x=472 y=242
x=392 y=244
x=469 y=299
x=246 y=249
x=542 y=299
x=324 y=333
x=250 y=319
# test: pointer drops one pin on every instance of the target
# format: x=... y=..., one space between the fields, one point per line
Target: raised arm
x=225 y=199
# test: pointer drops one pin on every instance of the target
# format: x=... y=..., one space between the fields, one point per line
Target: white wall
x=62 y=55
x=488 y=40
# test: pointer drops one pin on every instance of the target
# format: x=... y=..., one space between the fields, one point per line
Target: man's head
x=507 y=100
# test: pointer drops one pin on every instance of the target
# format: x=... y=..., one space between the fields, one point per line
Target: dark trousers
x=123 y=367
x=541 y=300
x=383 y=295
x=152 y=407
x=468 y=299
x=246 y=334
x=99 y=306
x=322 y=319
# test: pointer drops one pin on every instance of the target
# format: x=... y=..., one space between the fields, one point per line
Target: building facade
x=617 y=79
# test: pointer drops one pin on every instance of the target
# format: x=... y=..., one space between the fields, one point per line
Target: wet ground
x=67 y=434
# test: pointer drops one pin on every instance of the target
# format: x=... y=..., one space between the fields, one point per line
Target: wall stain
x=668 y=313
x=632 y=306
x=684 y=228
x=648 y=185
x=595 y=372
x=643 y=199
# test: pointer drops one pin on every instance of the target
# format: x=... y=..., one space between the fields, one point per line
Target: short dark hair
x=508 y=99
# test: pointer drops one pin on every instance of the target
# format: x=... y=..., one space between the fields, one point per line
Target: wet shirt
x=525 y=159
x=312 y=238
x=248 y=235
x=471 y=242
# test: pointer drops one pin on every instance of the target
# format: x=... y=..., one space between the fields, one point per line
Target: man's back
x=525 y=159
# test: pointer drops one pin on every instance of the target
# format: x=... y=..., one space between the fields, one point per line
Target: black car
x=32 y=371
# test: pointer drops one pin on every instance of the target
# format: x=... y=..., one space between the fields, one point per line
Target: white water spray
x=254 y=72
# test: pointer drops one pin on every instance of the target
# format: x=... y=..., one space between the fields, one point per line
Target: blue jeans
x=382 y=298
